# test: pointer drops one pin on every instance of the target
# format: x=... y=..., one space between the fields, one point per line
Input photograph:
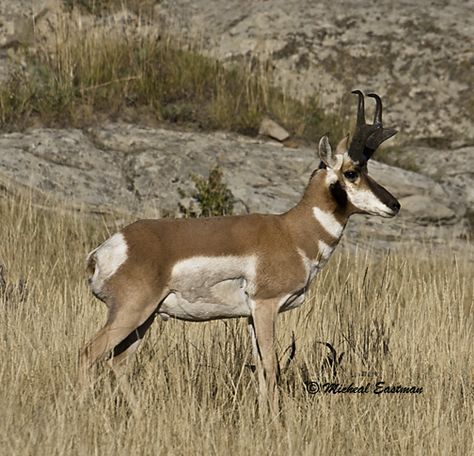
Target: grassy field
x=87 y=74
x=405 y=318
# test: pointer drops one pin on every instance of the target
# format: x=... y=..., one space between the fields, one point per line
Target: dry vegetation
x=104 y=7
x=88 y=73
x=405 y=318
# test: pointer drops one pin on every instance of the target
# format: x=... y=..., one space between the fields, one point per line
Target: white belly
x=208 y=288
x=227 y=299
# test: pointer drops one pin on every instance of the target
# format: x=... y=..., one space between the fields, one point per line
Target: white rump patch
x=207 y=288
x=108 y=258
x=328 y=222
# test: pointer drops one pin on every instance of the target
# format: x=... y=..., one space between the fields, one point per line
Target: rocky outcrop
x=418 y=55
x=120 y=168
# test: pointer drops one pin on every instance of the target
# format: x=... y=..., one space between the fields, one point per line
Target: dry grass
x=89 y=73
x=404 y=318
x=104 y=7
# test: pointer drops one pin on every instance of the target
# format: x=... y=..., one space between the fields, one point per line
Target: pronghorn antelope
x=253 y=266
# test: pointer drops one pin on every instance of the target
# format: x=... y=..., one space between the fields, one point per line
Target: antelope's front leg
x=262 y=332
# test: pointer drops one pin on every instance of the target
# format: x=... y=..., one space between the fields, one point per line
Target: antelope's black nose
x=395 y=206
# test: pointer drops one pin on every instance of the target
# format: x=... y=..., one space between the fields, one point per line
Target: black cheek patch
x=338 y=193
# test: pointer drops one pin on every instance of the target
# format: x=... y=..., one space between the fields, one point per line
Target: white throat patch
x=328 y=222
x=325 y=250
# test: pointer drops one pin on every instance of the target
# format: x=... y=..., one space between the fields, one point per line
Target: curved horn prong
x=367 y=137
x=360 y=108
x=378 y=108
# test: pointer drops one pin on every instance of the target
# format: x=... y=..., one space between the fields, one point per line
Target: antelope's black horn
x=360 y=108
x=378 y=108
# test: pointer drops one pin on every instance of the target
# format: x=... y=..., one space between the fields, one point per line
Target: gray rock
x=64 y=164
x=418 y=56
x=126 y=169
x=270 y=128
x=426 y=210
x=452 y=168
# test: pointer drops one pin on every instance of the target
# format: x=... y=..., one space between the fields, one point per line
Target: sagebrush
x=210 y=198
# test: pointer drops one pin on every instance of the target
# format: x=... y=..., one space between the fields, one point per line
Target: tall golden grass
x=404 y=317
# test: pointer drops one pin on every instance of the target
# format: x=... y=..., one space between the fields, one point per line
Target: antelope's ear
x=343 y=145
x=329 y=157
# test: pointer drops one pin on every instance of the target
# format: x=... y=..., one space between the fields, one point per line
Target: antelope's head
x=347 y=165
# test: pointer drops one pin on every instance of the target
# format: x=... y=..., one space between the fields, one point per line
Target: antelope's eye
x=351 y=175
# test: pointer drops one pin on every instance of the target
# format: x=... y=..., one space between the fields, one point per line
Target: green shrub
x=212 y=196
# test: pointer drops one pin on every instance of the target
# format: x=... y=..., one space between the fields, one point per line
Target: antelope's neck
x=317 y=222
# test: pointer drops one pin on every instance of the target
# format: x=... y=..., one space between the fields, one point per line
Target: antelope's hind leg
x=123 y=354
x=131 y=301
x=128 y=320
x=119 y=331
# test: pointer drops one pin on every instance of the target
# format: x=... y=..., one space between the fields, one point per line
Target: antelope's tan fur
x=252 y=266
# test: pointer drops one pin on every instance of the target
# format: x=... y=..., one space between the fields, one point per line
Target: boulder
x=270 y=128
x=427 y=210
